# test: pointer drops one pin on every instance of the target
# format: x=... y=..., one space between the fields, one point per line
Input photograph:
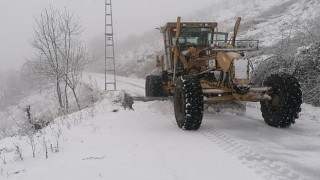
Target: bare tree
x=74 y=53
x=47 y=61
x=77 y=62
x=60 y=55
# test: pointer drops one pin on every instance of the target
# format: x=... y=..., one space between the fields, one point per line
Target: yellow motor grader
x=203 y=66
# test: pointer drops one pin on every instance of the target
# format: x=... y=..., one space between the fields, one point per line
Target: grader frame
x=202 y=66
x=223 y=58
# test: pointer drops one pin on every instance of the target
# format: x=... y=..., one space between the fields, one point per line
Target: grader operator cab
x=203 y=66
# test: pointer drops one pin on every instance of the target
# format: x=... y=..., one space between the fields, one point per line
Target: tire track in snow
x=269 y=169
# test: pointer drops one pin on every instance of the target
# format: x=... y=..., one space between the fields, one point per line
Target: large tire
x=284 y=108
x=188 y=103
x=154 y=86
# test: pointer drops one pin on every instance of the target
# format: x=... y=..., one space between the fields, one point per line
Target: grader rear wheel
x=154 y=87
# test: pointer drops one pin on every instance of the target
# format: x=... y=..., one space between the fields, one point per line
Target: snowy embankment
x=108 y=141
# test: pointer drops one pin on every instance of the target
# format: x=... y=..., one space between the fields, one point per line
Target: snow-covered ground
x=110 y=142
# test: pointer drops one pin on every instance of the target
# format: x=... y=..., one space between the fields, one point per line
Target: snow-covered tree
x=59 y=54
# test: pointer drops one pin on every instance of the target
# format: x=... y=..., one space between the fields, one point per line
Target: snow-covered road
x=108 y=142
x=273 y=153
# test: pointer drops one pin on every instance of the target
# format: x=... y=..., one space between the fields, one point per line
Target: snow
x=258 y=59
x=11 y=116
x=107 y=141
x=293 y=18
x=121 y=145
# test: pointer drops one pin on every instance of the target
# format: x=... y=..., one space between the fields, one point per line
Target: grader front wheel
x=286 y=96
x=188 y=103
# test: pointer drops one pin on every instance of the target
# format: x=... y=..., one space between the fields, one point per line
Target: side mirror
x=160 y=61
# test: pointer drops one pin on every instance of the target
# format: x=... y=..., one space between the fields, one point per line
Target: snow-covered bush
x=272 y=65
x=124 y=100
x=307 y=71
x=38 y=110
x=88 y=94
x=28 y=121
x=305 y=67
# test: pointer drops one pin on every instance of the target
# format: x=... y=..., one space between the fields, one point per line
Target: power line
x=86 y=10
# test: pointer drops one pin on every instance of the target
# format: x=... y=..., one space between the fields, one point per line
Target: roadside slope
x=108 y=142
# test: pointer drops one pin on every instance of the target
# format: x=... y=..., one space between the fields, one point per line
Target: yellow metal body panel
x=225 y=59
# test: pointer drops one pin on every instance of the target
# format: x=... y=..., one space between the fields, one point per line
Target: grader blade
x=147 y=99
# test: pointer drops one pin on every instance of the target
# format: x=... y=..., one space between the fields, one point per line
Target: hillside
x=270 y=22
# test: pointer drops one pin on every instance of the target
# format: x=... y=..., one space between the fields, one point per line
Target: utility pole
x=110 y=64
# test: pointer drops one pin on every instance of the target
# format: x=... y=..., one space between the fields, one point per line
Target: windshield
x=220 y=36
x=194 y=36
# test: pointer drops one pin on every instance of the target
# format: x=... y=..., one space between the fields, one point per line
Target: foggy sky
x=131 y=17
